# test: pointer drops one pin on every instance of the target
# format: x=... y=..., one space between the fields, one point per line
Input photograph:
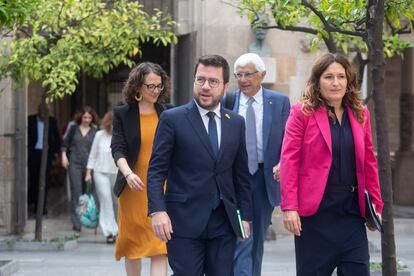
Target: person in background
x=78 y=143
x=34 y=157
x=134 y=127
x=265 y=113
x=327 y=164
x=104 y=170
x=75 y=117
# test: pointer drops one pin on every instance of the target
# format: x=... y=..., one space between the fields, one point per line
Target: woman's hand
x=291 y=220
x=370 y=226
x=134 y=182
x=65 y=161
x=88 y=176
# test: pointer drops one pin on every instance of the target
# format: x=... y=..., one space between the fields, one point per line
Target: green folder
x=241 y=224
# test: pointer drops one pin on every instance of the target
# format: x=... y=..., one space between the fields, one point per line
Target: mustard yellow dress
x=135 y=236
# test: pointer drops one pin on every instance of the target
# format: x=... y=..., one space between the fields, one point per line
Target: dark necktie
x=212 y=132
x=251 y=139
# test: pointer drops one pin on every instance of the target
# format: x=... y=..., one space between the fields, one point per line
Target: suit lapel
x=225 y=132
x=267 y=117
x=358 y=134
x=323 y=123
x=193 y=115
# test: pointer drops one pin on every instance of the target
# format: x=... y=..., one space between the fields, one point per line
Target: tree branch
x=328 y=27
x=332 y=29
x=293 y=28
x=315 y=11
x=60 y=13
x=6 y=34
x=404 y=30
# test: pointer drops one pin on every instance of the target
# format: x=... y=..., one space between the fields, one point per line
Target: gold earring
x=138 y=98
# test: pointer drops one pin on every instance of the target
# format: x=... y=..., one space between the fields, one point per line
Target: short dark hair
x=215 y=61
x=136 y=79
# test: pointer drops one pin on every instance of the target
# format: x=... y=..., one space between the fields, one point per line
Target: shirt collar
x=204 y=111
x=258 y=97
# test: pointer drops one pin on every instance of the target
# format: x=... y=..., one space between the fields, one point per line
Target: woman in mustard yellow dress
x=134 y=125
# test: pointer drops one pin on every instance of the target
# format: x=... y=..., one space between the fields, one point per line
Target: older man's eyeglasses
x=214 y=83
x=151 y=87
x=246 y=75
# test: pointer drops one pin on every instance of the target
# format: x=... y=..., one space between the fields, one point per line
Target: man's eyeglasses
x=246 y=75
x=214 y=83
x=151 y=87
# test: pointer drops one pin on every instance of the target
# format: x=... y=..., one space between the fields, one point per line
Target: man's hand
x=246 y=226
x=291 y=220
x=161 y=225
x=276 y=172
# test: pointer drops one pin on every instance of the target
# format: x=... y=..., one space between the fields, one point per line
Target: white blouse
x=100 y=157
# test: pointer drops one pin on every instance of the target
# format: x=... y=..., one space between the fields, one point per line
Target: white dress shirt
x=205 y=118
x=258 y=112
x=40 y=127
x=100 y=157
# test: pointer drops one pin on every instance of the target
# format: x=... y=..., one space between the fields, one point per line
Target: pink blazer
x=307 y=157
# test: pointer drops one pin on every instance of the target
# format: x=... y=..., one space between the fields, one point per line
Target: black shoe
x=110 y=239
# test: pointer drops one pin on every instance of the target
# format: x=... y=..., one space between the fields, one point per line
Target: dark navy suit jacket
x=182 y=155
x=276 y=108
x=54 y=137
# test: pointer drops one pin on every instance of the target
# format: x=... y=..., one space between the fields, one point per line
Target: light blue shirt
x=258 y=112
x=40 y=126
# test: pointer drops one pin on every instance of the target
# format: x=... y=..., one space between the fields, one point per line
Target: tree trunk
x=376 y=55
x=43 y=168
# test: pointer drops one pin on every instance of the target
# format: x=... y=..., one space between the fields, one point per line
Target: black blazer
x=54 y=137
x=126 y=139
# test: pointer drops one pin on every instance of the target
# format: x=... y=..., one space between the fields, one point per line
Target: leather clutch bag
x=371 y=217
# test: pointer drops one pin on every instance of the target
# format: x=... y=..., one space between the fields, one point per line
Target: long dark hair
x=312 y=99
x=136 y=79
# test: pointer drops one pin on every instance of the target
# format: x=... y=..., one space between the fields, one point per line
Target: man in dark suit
x=266 y=113
x=199 y=149
x=35 y=146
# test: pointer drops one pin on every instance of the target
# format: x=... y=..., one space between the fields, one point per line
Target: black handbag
x=371 y=217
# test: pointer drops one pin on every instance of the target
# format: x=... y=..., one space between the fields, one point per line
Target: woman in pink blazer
x=327 y=163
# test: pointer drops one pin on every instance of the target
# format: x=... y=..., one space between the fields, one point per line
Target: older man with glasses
x=265 y=112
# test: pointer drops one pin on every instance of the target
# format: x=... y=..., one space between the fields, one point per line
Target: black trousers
x=335 y=237
x=211 y=254
x=34 y=162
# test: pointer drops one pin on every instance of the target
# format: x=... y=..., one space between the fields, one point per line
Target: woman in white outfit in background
x=104 y=175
